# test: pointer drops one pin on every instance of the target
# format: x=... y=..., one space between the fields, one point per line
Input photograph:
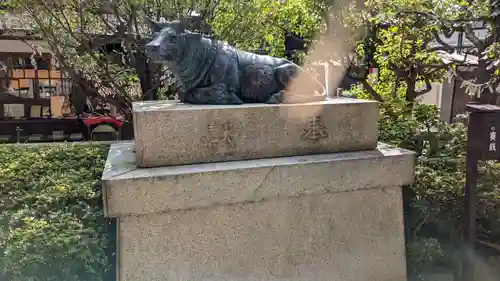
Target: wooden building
x=35 y=94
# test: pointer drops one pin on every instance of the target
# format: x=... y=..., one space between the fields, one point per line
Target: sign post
x=482 y=144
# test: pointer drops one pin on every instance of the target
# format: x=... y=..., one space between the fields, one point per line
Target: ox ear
x=183 y=22
x=178 y=26
x=155 y=26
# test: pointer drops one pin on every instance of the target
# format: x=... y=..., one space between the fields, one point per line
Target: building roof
x=18 y=46
x=455 y=57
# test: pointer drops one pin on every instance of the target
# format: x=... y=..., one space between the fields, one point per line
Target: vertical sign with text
x=490 y=144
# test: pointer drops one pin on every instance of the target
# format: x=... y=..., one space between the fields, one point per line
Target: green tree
x=76 y=32
x=405 y=40
x=407 y=47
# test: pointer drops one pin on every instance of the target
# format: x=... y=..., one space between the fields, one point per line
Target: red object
x=98 y=120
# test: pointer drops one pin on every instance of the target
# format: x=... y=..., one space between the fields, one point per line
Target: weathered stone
x=486 y=270
x=170 y=133
x=135 y=191
x=318 y=217
x=349 y=236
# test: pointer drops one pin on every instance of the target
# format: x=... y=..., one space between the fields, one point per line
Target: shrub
x=51 y=217
x=436 y=197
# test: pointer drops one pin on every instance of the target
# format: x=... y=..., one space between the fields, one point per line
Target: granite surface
x=129 y=190
x=334 y=216
x=168 y=133
x=348 y=236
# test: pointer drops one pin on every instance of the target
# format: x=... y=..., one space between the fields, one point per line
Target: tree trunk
x=146 y=78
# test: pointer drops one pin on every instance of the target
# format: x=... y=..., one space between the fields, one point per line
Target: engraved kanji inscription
x=493 y=138
x=316 y=129
x=220 y=135
x=492 y=147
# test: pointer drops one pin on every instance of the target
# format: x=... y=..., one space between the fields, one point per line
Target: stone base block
x=135 y=191
x=169 y=133
x=349 y=236
x=323 y=217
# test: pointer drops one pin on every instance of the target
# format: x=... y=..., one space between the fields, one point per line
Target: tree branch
x=428 y=88
x=372 y=91
x=441 y=42
x=491 y=245
x=447 y=21
x=469 y=34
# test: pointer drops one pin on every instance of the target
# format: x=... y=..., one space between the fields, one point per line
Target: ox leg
x=215 y=94
x=276 y=98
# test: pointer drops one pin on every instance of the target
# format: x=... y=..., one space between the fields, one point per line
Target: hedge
x=435 y=201
x=51 y=215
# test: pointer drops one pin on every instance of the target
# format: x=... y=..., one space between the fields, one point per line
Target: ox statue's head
x=169 y=40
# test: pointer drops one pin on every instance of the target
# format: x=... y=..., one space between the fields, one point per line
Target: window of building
x=23 y=63
x=43 y=63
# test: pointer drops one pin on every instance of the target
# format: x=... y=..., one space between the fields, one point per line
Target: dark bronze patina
x=214 y=72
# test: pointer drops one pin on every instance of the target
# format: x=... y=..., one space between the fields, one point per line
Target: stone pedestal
x=169 y=133
x=330 y=216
